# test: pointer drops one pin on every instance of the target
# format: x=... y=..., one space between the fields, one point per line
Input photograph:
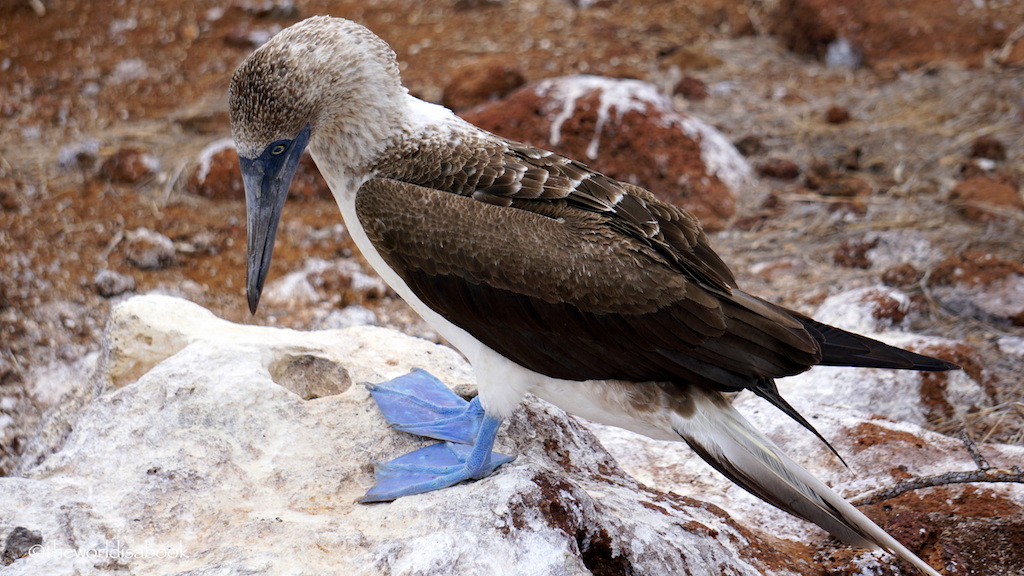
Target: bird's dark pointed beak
x=266 y=180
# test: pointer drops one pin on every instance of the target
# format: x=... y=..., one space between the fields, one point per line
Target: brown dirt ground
x=153 y=75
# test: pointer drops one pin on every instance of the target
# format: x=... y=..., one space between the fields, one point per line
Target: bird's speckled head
x=325 y=83
x=322 y=72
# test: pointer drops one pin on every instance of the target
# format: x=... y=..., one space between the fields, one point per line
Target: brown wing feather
x=566 y=295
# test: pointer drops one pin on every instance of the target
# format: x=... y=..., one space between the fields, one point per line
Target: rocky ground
x=887 y=142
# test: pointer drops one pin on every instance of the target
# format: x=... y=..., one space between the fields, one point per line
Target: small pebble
x=149 y=250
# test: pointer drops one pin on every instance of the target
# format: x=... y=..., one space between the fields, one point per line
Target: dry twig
x=1015 y=474
x=984 y=473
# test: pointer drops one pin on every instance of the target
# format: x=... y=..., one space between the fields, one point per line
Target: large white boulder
x=204 y=447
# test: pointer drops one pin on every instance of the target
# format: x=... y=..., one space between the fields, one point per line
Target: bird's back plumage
x=615 y=283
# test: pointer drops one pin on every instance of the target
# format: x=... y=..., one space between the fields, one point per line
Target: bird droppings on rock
x=216 y=176
x=883 y=312
x=868 y=310
x=1011 y=345
x=841 y=53
x=351 y=315
x=251 y=445
x=890 y=307
x=82 y=156
x=148 y=250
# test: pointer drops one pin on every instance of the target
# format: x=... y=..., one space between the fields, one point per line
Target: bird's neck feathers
x=418 y=138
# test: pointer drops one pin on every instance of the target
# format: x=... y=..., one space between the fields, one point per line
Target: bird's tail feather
x=842 y=348
x=726 y=441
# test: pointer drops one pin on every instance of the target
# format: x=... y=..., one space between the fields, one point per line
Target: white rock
x=1011 y=345
x=192 y=458
x=865 y=310
x=298 y=289
x=353 y=315
x=1000 y=300
x=841 y=54
x=902 y=246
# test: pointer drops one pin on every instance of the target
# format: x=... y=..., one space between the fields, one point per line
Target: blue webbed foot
x=430 y=468
x=420 y=404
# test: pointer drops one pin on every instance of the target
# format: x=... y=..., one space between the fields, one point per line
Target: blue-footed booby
x=549 y=277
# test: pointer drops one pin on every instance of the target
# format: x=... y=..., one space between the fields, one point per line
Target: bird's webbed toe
x=419 y=403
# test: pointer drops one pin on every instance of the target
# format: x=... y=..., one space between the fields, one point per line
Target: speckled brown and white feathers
x=548 y=276
x=331 y=73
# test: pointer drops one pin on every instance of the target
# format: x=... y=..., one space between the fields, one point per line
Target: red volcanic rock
x=905 y=274
x=479 y=82
x=217 y=176
x=837 y=115
x=891 y=38
x=779 y=168
x=983 y=199
x=853 y=253
x=627 y=130
x=981 y=284
x=129 y=166
x=691 y=88
x=9 y=197
x=988 y=147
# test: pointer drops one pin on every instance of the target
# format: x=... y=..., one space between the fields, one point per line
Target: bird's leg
x=420 y=404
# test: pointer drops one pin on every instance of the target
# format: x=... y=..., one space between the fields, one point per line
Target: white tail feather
x=727 y=441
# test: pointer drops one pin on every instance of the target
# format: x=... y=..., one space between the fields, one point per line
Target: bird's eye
x=277 y=150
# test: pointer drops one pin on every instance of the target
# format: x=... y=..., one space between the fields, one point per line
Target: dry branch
x=1015 y=474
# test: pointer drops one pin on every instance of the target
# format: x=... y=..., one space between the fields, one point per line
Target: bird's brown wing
x=574 y=275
